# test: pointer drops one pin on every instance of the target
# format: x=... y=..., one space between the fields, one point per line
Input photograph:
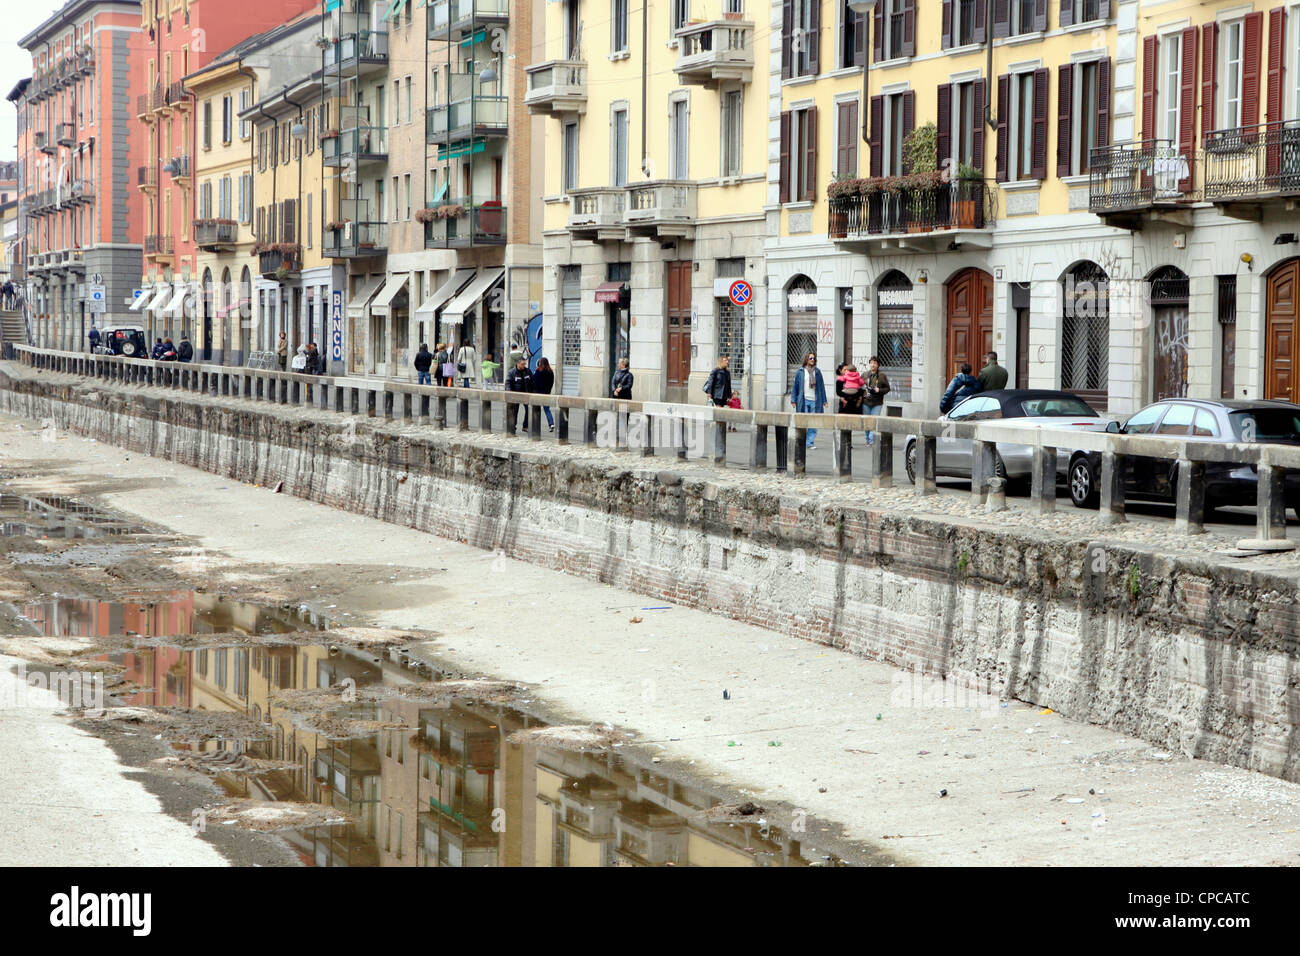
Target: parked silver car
x=1030 y=408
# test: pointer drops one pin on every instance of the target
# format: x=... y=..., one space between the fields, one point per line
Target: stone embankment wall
x=1191 y=656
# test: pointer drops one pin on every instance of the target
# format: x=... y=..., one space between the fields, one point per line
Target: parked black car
x=1194 y=419
x=125 y=340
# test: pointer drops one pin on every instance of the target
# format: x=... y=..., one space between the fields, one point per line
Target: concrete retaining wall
x=1194 y=658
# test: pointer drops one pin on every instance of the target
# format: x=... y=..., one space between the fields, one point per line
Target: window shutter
x=1040 y=15
x=1276 y=60
x=944 y=124
x=1067 y=13
x=1002 y=18
x=787 y=30
x=1253 y=27
x=981 y=30
x=859 y=39
x=1038 y=168
x=207 y=124
x=981 y=98
x=1150 y=57
x=1004 y=104
x=946 y=39
x=1064 y=119
x=878 y=33
x=1187 y=106
x=785 y=157
x=1103 y=104
x=813 y=38
x=909 y=123
x=809 y=171
x=909 y=28
x=877 y=122
x=846 y=161
x=1209 y=70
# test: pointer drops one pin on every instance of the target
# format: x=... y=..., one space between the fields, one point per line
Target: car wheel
x=1083 y=484
x=909 y=460
x=128 y=348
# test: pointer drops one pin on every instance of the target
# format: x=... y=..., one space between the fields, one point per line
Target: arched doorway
x=229 y=297
x=1279 y=345
x=894 y=333
x=1169 y=291
x=801 y=324
x=209 y=304
x=1085 y=333
x=970 y=319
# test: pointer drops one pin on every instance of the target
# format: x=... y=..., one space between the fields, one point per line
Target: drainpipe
x=645 y=59
x=243 y=70
x=989 y=88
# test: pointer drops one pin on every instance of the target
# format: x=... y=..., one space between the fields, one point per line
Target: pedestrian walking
x=877 y=385
x=620 y=386
x=185 y=351
x=443 y=365
x=718 y=384
x=282 y=351
x=467 y=365
x=543 y=382
x=7 y=291
x=808 y=393
x=299 y=362
x=519 y=379
x=93 y=334
x=962 y=387
x=423 y=362
x=992 y=375
x=515 y=354
x=168 y=350
x=157 y=352
x=315 y=361
x=489 y=368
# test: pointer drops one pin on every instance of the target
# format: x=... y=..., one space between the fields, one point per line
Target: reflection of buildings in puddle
x=173 y=614
x=54 y=516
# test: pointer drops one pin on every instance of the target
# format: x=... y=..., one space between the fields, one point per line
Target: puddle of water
x=422 y=781
x=56 y=516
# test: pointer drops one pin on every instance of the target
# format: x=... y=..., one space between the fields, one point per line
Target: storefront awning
x=157 y=295
x=384 y=301
x=431 y=305
x=159 y=305
x=486 y=279
x=144 y=296
x=177 y=304
x=610 y=292
x=357 y=307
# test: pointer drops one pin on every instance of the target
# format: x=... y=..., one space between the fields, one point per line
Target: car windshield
x=1266 y=424
x=1056 y=406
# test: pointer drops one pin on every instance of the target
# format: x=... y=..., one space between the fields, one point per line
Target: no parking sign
x=741 y=292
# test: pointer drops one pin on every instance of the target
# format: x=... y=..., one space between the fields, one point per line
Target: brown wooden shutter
x=909 y=28
x=787 y=30
x=813 y=38
x=1004 y=104
x=1252 y=32
x=1187 y=106
x=878 y=32
x=1064 y=119
x=1150 y=59
x=1067 y=13
x=1040 y=15
x=945 y=41
x=848 y=145
x=909 y=122
x=981 y=31
x=981 y=93
x=859 y=39
x=785 y=156
x=1103 y=104
x=944 y=126
x=1002 y=18
x=877 y=122
x=1276 y=68
x=1038 y=161
x=809 y=171
x=1209 y=73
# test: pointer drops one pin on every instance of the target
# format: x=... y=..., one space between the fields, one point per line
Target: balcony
x=279 y=260
x=42 y=141
x=557 y=88
x=662 y=209
x=67 y=134
x=909 y=214
x=146 y=177
x=83 y=191
x=597 y=214
x=178 y=167
x=460 y=224
x=1130 y=182
x=143 y=111
x=354 y=240
x=176 y=96
x=86 y=62
x=467 y=113
x=1249 y=166
x=157 y=97
x=452 y=19
x=715 y=52
x=216 y=235
x=357 y=52
x=159 y=247
x=364 y=144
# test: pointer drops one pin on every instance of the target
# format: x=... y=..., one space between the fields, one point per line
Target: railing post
x=562 y=424
x=440 y=412
x=720 y=443
x=1042 y=490
x=462 y=414
x=782 y=447
x=621 y=437
x=534 y=422
x=590 y=424
x=372 y=401
x=1189 y=514
x=1270 y=510
x=645 y=436
x=758 y=449
x=882 y=460
x=842 y=441
x=424 y=409
x=926 y=461
x=511 y=413
x=485 y=414
x=800 y=450
x=1113 y=469
x=983 y=467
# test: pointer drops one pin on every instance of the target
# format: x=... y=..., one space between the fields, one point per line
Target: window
x=846 y=140
x=395 y=213
x=894 y=132
x=245 y=197
x=408 y=99
x=1205 y=425
x=964 y=123
x=1083 y=11
x=227 y=119
x=245 y=126
x=681 y=14
x=892 y=41
x=1022 y=126
x=1022 y=153
x=407 y=186
x=618 y=27
x=223 y=202
x=1177 y=421
x=1022 y=16
x=805 y=36
x=570 y=157
x=799 y=155
x=309 y=230
x=1083 y=115
x=618 y=148
x=680 y=132
x=205 y=201
x=1170 y=90
x=1230 y=58
x=731 y=132
x=964 y=21
x=852 y=38
x=207 y=124
x=1088 y=98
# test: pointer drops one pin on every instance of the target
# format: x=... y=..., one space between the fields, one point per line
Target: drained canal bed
x=352 y=751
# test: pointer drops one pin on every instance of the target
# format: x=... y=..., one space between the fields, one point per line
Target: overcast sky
x=21 y=17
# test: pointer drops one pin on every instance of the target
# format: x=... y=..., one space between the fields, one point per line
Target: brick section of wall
x=1196 y=659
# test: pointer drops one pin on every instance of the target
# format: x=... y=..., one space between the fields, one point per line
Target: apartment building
x=79 y=215
x=654 y=193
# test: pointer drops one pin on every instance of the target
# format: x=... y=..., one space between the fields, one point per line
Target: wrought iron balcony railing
x=1253 y=162
x=961 y=204
x=1131 y=177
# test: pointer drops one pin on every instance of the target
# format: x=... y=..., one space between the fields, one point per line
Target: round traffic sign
x=740 y=292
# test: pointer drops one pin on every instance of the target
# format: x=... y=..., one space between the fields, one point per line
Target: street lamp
x=864 y=7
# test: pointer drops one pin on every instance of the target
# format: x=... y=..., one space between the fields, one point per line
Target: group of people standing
x=855 y=394
x=464 y=366
x=307 y=359
x=964 y=384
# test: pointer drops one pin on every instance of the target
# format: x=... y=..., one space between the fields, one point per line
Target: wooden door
x=1022 y=348
x=679 y=323
x=970 y=320
x=1279 y=367
x=1170 y=352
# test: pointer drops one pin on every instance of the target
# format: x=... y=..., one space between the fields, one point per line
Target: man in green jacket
x=992 y=375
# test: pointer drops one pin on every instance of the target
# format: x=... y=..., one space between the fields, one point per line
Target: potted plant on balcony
x=329 y=134
x=920 y=157
x=970 y=182
x=426 y=215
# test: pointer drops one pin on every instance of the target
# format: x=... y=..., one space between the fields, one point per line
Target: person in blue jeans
x=877 y=387
x=423 y=362
x=808 y=394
